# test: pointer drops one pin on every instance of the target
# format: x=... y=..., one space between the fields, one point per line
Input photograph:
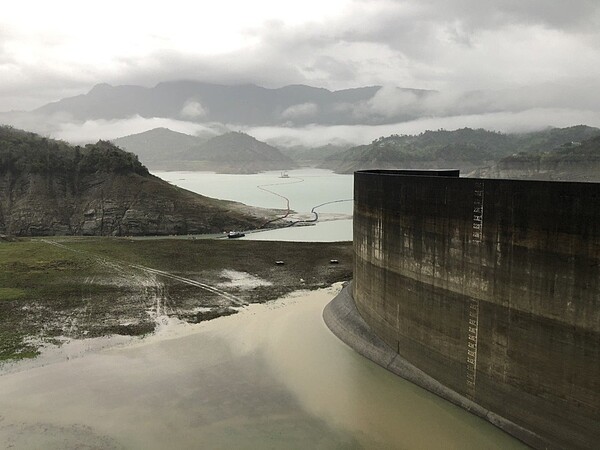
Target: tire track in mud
x=232 y=298
x=119 y=266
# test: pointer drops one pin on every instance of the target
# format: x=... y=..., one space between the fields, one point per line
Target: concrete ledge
x=344 y=320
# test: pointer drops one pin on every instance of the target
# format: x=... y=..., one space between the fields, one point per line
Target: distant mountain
x=572 y=161
x=311 y=156
x=48 y=187
x=553 y=138
x=236 y=153
x=158 y=144
x=246 y=104
x=465 y=149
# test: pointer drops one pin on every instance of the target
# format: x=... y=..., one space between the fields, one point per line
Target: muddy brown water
x=272 y=376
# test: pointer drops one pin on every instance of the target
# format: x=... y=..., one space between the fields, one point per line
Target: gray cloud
x=514 y=122
x=193 y=109
x=482 y=56
x=300 y=110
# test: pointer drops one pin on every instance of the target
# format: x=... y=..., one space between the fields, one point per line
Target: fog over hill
x=301 y=115
x=553 y=153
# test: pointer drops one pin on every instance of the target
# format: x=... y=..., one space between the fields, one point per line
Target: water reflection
x=270 y=377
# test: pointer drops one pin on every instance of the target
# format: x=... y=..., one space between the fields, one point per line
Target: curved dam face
x=491 y=287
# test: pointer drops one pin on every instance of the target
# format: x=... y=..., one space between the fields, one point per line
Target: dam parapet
x=491 y=287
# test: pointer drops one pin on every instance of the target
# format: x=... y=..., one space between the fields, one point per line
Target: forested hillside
x=48 y=187
x=466 y=149
x=572 y=161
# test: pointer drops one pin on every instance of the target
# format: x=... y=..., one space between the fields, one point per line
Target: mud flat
x=56 y=290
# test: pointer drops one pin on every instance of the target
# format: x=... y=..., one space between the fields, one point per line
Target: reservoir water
x=305 y=189
x=270 y=377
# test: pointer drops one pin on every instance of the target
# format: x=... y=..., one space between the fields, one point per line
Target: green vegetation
x=570 y=152
x=554 y=139
x=24 y=152
x=572 y=161
x=45 y=286
x=462 y=144
x=442 y=147
x=50 y=188
x=90 y=287
x=11 y=293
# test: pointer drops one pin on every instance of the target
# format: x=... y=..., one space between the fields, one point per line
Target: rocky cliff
x=50 y=188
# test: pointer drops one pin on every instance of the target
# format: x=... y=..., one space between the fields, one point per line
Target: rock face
x=49 y=188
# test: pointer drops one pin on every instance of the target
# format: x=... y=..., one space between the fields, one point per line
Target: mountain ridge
x=234 y=104
x=157 y=144
x=237 y=152
x=231 y=152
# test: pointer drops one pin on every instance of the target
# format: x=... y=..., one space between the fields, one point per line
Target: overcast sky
x=536 y=62
x=52 y=49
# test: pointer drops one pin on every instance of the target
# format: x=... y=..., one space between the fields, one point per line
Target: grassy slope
x=49 y=292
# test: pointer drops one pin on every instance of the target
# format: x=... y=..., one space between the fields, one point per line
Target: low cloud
x=507 y=122
x=301 y=111
x=395 y=104
x=390 y=101
x=504 y=111
x=60 y=126
x=193 y=109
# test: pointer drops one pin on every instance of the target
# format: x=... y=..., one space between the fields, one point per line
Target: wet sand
x=272 y=376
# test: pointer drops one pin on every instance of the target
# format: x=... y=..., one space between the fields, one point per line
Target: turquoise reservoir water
x=305 y=189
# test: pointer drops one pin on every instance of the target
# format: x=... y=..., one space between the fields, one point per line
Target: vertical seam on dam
x=473 y=317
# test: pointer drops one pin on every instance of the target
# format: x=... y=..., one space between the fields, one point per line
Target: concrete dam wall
x=491 y=287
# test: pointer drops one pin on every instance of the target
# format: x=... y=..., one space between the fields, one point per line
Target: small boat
x=235 y=234
x=284 y=174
